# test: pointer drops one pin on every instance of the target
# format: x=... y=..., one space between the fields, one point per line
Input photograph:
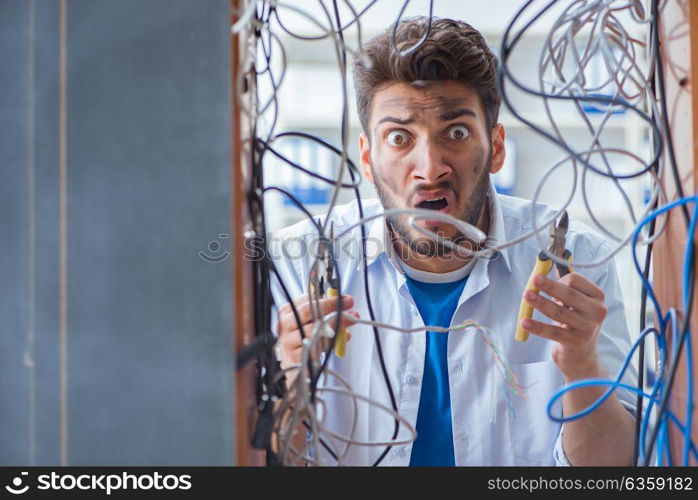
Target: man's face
x=430 y=148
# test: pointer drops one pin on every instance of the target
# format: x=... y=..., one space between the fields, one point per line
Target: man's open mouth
x=435 y=204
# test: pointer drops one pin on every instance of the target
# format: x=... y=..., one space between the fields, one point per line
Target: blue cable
x=663 y=442
x=687 y=280
x=612 y=384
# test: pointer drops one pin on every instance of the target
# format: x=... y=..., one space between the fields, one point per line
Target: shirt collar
x=429 y=277
x=379 y=237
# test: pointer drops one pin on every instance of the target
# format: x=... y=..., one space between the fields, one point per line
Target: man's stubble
x=423 y=245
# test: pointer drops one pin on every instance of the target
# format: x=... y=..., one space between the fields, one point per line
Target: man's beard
x=424 y=246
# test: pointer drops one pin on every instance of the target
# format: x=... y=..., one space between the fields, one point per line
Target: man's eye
x=397 y=137
x=458 y=132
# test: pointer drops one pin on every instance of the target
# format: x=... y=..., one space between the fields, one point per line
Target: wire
x=597 y=16
x=585 y=33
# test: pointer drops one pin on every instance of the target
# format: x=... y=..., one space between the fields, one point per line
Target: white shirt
x=486 y=430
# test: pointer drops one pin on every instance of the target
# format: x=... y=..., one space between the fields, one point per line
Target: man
x=431 y=140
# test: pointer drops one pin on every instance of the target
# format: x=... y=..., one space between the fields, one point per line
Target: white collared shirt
x=488 y=428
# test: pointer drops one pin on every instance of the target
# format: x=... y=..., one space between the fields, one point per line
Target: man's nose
x=429 y=162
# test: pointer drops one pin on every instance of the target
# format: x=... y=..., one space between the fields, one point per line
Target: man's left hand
x=578 y=310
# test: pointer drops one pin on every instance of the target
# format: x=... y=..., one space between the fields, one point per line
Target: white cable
x=585 y=30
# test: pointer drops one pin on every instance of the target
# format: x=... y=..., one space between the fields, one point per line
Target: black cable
x=379 y=349
x=646 y=273
x=665 y=113
x=257 y=177
x=422 y=40
x=270 y=377
x=264 y=268
x=675 y=361
x=330 y=251
x=355 y=18
x=641 y=360
x=679 y=188
x=504 y=73
x=270 y=263
x=262 y=146
x=267 y=365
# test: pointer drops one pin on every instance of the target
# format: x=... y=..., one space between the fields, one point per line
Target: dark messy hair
x=454 y=50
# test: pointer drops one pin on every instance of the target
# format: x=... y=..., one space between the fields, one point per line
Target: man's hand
x=605 y=436
x=579 y=311
x=288 y=330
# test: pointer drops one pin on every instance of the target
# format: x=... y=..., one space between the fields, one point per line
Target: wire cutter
x=325 y=283
x=544 y=264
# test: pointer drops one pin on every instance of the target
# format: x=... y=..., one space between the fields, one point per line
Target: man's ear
x=498 y=149
x=365 y=157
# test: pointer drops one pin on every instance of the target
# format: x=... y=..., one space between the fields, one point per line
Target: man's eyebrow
x=452 y=115
x=399 y=121
x=449 y=115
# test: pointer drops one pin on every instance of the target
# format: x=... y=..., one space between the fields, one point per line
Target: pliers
x=544 y=264
x=324 y=282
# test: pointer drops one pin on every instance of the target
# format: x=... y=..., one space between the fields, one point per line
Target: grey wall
x=149 y=323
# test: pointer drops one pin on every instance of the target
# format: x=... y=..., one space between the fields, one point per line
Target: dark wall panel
x=149 y=347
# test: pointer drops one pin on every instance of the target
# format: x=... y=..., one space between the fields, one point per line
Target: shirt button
x=415 y=312
x=411 y=380
x=400 y=451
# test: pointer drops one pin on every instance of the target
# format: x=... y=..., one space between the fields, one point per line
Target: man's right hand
x=289 y=335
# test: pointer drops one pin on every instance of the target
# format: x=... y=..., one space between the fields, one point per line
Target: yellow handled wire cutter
x=326 y=285
x=544 y=264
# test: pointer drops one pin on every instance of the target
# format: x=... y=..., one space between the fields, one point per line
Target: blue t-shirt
x=436 y=303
